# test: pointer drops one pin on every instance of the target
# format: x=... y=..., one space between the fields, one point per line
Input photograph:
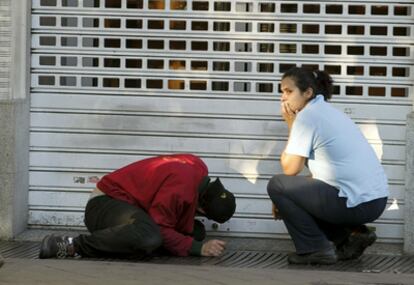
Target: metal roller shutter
x=114 y=81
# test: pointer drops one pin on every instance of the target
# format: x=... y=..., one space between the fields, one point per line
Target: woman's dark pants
x=313 y=213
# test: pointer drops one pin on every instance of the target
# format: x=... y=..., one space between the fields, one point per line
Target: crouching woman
x=326 y=212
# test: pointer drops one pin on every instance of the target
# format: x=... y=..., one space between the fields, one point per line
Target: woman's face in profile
x=292 y=96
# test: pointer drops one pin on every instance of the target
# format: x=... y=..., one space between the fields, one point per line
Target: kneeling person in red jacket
x=148 y=205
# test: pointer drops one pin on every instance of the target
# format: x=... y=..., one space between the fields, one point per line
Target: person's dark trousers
x=313 y=213
x=117 y=229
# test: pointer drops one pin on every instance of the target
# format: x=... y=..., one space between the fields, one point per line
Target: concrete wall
x=409 y=188
x=14 y=115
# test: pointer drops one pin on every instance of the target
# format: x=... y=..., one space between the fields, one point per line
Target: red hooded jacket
x=166 y=187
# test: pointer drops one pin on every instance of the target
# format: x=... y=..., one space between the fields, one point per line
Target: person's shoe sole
x=44 y=251
x=315 y=262
x=313 y=259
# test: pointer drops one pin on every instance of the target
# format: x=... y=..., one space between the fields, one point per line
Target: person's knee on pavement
x=151 y=243
x=148 y=235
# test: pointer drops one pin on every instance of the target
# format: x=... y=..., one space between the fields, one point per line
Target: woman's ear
x=308 y=93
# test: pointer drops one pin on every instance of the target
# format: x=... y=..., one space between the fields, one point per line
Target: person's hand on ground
x=213 y=247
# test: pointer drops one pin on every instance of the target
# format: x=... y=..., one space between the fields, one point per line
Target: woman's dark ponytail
x=320 y=81
x=324 y=84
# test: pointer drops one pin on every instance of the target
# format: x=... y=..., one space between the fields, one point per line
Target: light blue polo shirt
x=337 y=152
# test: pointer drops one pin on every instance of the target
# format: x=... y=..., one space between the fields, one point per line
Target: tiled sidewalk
x=368 y=263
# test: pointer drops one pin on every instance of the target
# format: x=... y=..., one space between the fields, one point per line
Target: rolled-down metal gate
x=114 y=81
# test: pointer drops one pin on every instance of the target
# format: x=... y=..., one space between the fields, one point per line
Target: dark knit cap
x=218 y=203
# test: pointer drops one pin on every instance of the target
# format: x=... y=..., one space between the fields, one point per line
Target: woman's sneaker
x=356 y=244
x=326 y=256
x=57 y=247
